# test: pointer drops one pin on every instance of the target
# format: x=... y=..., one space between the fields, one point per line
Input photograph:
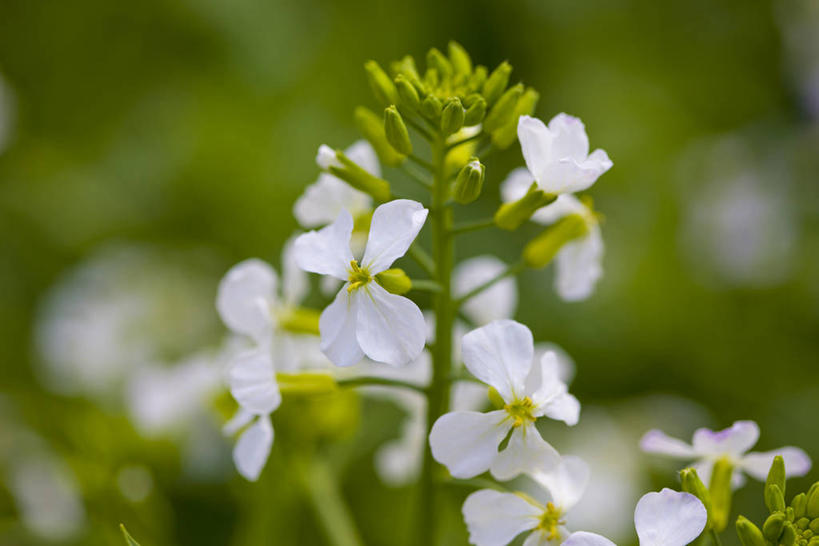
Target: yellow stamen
x=521 y=411
x=551 y=521
x=359 y=276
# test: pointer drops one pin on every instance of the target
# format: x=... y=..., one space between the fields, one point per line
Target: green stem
x=322 y=490
x=466 y=227
x=365 y=381
x=415 y=176
x=715 y=537
x=512 y=269
x=421 y=162
x=473 y=138
x=422 y=258
x=425 y=285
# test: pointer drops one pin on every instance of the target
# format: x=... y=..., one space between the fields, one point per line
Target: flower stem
x=383 y=381
x=512 y=269
x=422 y=258
x=321 y=489
x=715 y=537
x=425 y=285
x=466 y=227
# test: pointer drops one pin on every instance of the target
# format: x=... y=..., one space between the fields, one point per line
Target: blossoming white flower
x=732 y=443
x=365 y=319
x=558 y=155
x=667 y=518
x=323 y=201
x=494 y=518
x=500 y=354
x=578 y=261
x=496 y=302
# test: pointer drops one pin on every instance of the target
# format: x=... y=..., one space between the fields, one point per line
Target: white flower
x=558 y=155
x=365 y=319
x=496 y=302
x=323 y=201
x=667 y=518
x=500 y=354
x=578 y=262
x=732 y=443
x=494 y=518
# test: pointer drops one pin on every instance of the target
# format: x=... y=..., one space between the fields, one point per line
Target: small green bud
x=814 y=541
x=469 y=182
x=799 y=504
x=477 y=79
x=812 y=507
x=432 y=79
x=432 y=107
x=814 y=525
x=306 y=383
x=789 y=515
x=407 y=93
x=406 y=66
x=459 y=58
x=437 y=60
x=720 y=490
x=396 y=131
x=691 y=483
x=508 y=134
x=788 y=536
x=542 y=249
x=772 y=527
x=496 y=83
x=371 y=126
x=802 y=523
x=452 y=116
x=359 y=178
x=501 y=113
x=774 y=499
x=749 y=534
x=776 y=475
x=476 y=112
x=511 y=216
x=381 y=84
x=394 y=281
x=495 y=398
x=300 y=320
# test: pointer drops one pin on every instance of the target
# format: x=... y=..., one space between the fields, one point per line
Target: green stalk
x=323 y=493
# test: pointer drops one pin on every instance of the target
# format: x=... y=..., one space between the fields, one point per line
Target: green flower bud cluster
x=796 y=524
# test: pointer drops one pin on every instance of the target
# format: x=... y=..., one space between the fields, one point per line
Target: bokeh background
x=146 y=147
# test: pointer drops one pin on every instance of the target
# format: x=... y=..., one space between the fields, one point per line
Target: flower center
x=521 y=411
x=551 y=521
x=359 y=276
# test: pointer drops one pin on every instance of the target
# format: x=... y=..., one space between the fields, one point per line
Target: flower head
x=500 y=354
x=365 y=319
x=558 y=155
x=732 y=443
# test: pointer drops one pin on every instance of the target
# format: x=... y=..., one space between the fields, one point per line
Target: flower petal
x=657 y=441
x=569 y=137
x=337 y=326
x=327 y=251
x=253 y=448
x=551 y=397
x=566 y=482
x=540 y=538
x=390 y=328
x=582 y=538
x=295 y=284
x=516 y=184
x=494 y=518
x=496 y=302
x=466 y=442
x=797 y=462
x=735 y=440
x=252 y=382
x=245 y=295
x=362 y=154
x=579 y=266
x=500 y=354
x=323 y=201
x=393 y=229
x=526 y=451
x=240 y=420
x=536 y=144
x=564 y=205
x=669 y=518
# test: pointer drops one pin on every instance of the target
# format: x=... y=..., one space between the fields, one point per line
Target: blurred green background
x=171 y=138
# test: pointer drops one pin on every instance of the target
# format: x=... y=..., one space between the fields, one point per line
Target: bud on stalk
x=469 y=182
x=396 y=131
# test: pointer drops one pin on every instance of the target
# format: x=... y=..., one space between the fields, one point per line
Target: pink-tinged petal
x=466 y=442
x=246 y=293
x=327 y=251
x=566 y=482
x=669 y=518
x=337 y=326
x=734 y=440
x=657 y=441
x=390 y=328
x=252 y=381
x=393 y=229
x=495 y=519
x=500 y=354
x=526 y=451
x=253 y=448
x=797 y=462
x=582 y=538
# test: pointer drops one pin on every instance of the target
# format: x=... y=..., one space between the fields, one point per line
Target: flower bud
x=814 y=525
x=542 y=249
x=372 y=127
x=326 y=158
x=501 y=113
x=300 y=320
x=720 y=490
x=477 y=79
x=381 y=84
x=799 y=504
x=772 y=527
x=432 y=79
x=459 y=58
x=396 y=131
x=749 y=534
x=691 y=483
x=394 y=281
x=812 y=508
x=496 y=83
x=476 y=112
x=452 y=116
x=437 y=60
x=407 y=93
x=774 y=499
x=306 y=383
x=406 y=66
x=359 y=178
x=776 y=475
x=512 y=215
x=431 y=107
x=505 y=136
x=788 y=536
x=469 y=182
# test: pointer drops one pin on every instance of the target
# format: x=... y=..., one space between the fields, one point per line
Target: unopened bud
x=496 y=83
x=477 y=79
x=749 y=534
x=360 y=178
x=812 y=508
x=396 y=131
x=543 y=248
x=406 y=66
x=776 y=474
x=452 y=116
x=505 y=136
x=469 y=182
x=432 y=78
x=501 y=113
x=381 y=84
x=371 y=126
x=437 y=60
x=774 y=499
x=432 y=107
x=512 y=215
x=407 y=93
x=691 y=483
x=772 y=527
x=394 y=281
x=799 y=504
x=326 y=158
x=300 y=320
x=476 y=112
x=459 y=58
x=788 y=536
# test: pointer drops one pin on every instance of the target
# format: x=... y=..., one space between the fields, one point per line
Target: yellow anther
x=521 y=411
x=550 y=522
x=359 y=276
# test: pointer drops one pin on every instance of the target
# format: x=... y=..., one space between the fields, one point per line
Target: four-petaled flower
x=365 y=319
x=500 y=354
x=732 y=443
